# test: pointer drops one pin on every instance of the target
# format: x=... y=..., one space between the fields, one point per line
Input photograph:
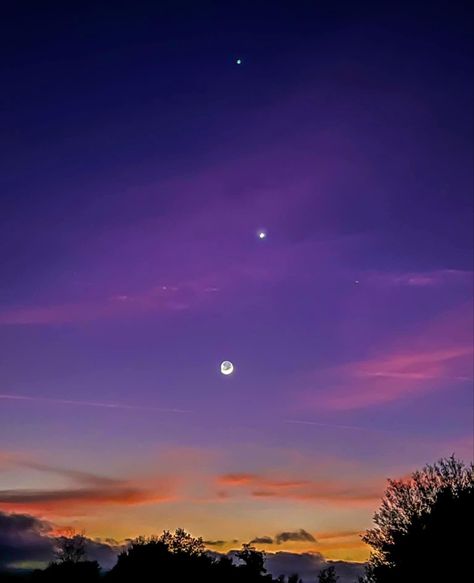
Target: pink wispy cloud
x=395 y=376
x=442 y=355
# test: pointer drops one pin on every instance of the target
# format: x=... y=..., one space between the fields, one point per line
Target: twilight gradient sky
x=138 y=163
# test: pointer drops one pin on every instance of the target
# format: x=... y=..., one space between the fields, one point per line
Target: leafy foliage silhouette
x=423 y=528
x=328 y=575
x=71 y=564
x=180 y=557
x=71 y=548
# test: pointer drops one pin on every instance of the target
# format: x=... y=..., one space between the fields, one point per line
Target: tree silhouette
x=422 y=526
x=70 y=548
x=71 y=564
x=182 y=543
x=179 y=557
x=328 y=575
x=253 y=563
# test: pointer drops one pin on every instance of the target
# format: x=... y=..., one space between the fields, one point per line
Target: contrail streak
x=90 y=404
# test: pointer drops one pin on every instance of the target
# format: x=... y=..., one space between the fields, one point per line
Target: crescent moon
x=227 y=367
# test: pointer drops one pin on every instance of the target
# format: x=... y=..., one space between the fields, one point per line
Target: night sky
x=144 y=147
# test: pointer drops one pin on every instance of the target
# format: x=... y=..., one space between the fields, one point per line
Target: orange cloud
x=243 y=478
x=233 y=479
x=330 y=492
x=263 y=493
x=58 y=498
x=87 y=490
x=337 y=535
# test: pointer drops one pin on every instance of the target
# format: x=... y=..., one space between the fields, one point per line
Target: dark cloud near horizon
x=105 y=553
x=25 y=539
x=219 y=543
x=214 y=543
x=108 y=540
x=309 y=565
x=296 y=536
x=262 y=540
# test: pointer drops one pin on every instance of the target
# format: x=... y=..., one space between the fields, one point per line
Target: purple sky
x=139 y=163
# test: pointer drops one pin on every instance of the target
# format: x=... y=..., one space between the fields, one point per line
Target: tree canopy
x=422 y=529
x=180 y=557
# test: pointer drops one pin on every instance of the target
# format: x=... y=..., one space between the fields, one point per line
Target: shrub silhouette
x=422 y=530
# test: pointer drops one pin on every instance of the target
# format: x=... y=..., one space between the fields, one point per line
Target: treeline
x=422 y=532
x=172 y=558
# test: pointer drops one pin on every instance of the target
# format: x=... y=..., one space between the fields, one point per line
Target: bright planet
x=227 y=367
